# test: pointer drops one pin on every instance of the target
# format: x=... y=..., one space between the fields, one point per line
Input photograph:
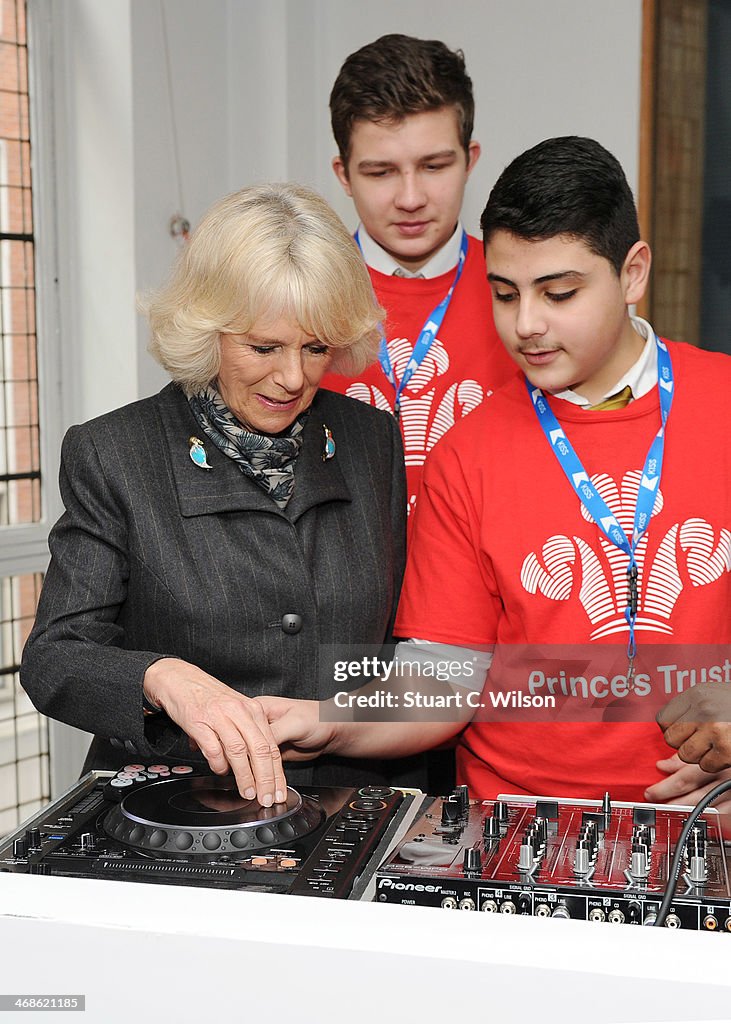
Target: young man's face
x=561 y=310
x=407 y=180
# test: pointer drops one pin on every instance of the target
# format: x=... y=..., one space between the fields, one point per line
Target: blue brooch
x=328 y=452
x=198 y=453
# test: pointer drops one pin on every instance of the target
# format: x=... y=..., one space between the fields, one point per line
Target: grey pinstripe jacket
x=155 y=556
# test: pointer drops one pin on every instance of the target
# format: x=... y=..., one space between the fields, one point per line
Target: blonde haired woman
x=223 y=537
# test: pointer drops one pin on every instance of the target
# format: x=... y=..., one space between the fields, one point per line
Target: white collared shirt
x=641 y=376
x=443 y=260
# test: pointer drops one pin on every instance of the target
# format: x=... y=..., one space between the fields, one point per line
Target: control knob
x=639 y=867
x=472 y=860
x=491 y=828
x=450 y=812
x=33 y=838
x=500 y=811
x=462 y=796
x=698 y=873
x=526 y=857
x=582 y=858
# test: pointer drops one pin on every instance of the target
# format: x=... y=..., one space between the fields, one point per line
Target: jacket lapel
x=316 y=480
x=223 y=487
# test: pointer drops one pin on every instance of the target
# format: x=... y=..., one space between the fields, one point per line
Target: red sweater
x=502 y=551
x=465 y=363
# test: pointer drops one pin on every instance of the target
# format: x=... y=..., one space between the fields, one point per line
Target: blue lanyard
x=426 y=335
x=595 y=504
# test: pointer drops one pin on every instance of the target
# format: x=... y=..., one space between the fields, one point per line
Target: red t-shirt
x=466 y=361
x=502 y=551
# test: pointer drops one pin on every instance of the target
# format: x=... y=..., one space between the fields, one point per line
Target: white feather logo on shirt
x=601 y=574
x=424 y=420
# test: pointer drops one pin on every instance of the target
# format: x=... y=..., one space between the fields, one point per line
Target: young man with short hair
x=402 y=114
x=587 y=504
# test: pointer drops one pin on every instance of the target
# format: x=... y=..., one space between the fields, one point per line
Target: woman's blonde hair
x=264 y=252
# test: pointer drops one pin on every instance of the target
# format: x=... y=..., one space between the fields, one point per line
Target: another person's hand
x=685 y=783
x=698 y=724
x=296 y=727
x=230 y=729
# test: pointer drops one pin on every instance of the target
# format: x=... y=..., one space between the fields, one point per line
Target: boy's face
x=561 y=310
x=407 y=180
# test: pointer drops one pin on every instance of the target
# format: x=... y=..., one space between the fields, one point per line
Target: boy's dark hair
x=566 y=186
x=398 y=75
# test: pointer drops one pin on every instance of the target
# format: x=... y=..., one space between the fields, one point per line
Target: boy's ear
x=341 y=174
x=473 y=155
x=636 y=272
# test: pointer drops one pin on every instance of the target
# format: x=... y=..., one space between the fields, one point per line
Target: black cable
x=674 y=872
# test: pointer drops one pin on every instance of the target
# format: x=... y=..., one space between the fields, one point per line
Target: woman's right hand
x=231 y=730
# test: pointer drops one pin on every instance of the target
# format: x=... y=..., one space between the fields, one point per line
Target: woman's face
x=270 y=375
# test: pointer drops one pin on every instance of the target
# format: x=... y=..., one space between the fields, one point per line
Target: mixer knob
x=462 y=796
x=526 y=858
x=582 y=861
x=33 y=838
x=638 y=867
x=20 y=848
x=500 y=811
x=472 y=860
x=450 y=811
x=491 y=828
x=698 y=874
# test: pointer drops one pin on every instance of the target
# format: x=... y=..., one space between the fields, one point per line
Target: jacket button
x=291 y=623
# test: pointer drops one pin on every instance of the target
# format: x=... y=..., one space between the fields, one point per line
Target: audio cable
x=675 y=866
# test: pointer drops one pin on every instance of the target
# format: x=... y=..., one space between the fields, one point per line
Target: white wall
x=240 y=94
x=569 y=67
x=250 y=84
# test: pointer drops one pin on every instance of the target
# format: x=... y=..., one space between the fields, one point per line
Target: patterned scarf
x=268 y=460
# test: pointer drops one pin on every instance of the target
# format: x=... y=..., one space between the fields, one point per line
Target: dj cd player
x=177 y=824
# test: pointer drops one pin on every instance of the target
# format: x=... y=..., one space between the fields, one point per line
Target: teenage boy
x=587 y=503
x=402 y=113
